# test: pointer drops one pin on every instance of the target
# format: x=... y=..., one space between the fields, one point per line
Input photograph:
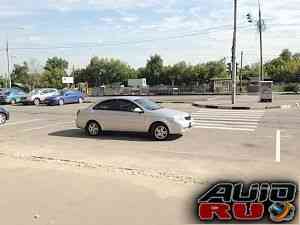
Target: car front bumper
x=51 y=102
x=180 y=127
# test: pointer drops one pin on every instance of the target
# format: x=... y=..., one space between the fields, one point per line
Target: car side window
x=106 y=105
x=126 y=106
x=19 y=93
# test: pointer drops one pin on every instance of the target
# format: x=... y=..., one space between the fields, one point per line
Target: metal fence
x=219 y=87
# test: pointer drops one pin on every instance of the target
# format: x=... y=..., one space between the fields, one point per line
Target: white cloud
x=107 y=19
x=129 y=19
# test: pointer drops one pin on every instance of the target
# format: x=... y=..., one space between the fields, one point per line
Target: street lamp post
x=7 y=57
x=234 y=55
x=8 y=66
x=261 y=43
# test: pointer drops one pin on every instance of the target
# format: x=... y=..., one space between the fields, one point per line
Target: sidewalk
x=249 y=103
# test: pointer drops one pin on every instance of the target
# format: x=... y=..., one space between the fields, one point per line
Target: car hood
x=170 y=113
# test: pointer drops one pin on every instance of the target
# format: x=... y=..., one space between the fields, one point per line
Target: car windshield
x=148 y=104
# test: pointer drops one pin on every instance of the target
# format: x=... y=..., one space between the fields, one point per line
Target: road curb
x=241 y=107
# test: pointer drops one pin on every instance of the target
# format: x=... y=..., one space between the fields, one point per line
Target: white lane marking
x=225 y=122
x=230 y=112
x=224 y=125
x=225 y=128
x=227 y=119
x=278 y=145
x=23 y=122
x=43 y=127
x=226 y=116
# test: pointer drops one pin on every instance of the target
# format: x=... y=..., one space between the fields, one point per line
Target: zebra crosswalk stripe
x=227 y=119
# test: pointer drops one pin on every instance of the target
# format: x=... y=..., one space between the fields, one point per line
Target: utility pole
x=261 y=43
x=8 y=65
x=234 y=54
x=241 y=73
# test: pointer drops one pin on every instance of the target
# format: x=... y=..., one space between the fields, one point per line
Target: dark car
x=65 y=97
x=4 y=116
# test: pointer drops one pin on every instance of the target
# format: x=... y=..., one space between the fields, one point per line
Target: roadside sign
x=266 y=94
x=68 y=80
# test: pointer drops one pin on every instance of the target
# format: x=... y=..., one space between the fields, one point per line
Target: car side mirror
x=138 y=110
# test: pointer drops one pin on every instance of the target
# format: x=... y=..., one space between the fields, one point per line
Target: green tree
x=20 y=74
x=154 y=70
x=200 y=72
x=3 y=82
x=55 y=69
x=286 y=55
x=284 y=68
x=106 y=71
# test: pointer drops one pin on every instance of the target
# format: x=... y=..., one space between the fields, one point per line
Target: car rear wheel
x=160 y=132
x=2 y=119
x=93 y=128
x=36 y=102
x=60 y=102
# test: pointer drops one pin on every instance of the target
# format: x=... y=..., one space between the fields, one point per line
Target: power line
x=92 y=44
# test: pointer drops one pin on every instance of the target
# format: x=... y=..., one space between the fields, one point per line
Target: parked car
x=38 y=96
x=65 y=97
x=133 y=114
x=4 y=116
x=12 y=96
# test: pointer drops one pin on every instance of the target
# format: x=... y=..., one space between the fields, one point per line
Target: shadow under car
x=110 y=135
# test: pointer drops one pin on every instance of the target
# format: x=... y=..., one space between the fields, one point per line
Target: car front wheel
x=2 y=119
x=160 y=132
x=93 y=128
x=36 y=102
x=13 y=101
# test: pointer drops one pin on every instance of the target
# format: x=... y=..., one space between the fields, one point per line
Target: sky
x=132 y=30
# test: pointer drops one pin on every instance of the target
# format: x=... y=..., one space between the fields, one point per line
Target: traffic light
x=229 y=68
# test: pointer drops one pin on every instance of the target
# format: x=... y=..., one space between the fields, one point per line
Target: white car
x=38 y=96
x=132 y=114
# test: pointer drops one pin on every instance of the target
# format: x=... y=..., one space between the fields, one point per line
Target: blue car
x=4 y=116
x=65 y=97
x=11 y=96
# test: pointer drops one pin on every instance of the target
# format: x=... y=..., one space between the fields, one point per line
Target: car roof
x=130 y=98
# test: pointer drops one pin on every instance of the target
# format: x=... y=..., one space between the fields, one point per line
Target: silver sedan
x=132 y=114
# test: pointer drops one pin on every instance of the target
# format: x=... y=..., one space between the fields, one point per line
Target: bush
x=293 y=87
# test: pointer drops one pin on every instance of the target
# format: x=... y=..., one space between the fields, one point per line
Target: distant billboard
x=68 y=80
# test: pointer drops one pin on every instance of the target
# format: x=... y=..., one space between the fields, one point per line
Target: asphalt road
x=231 y=145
